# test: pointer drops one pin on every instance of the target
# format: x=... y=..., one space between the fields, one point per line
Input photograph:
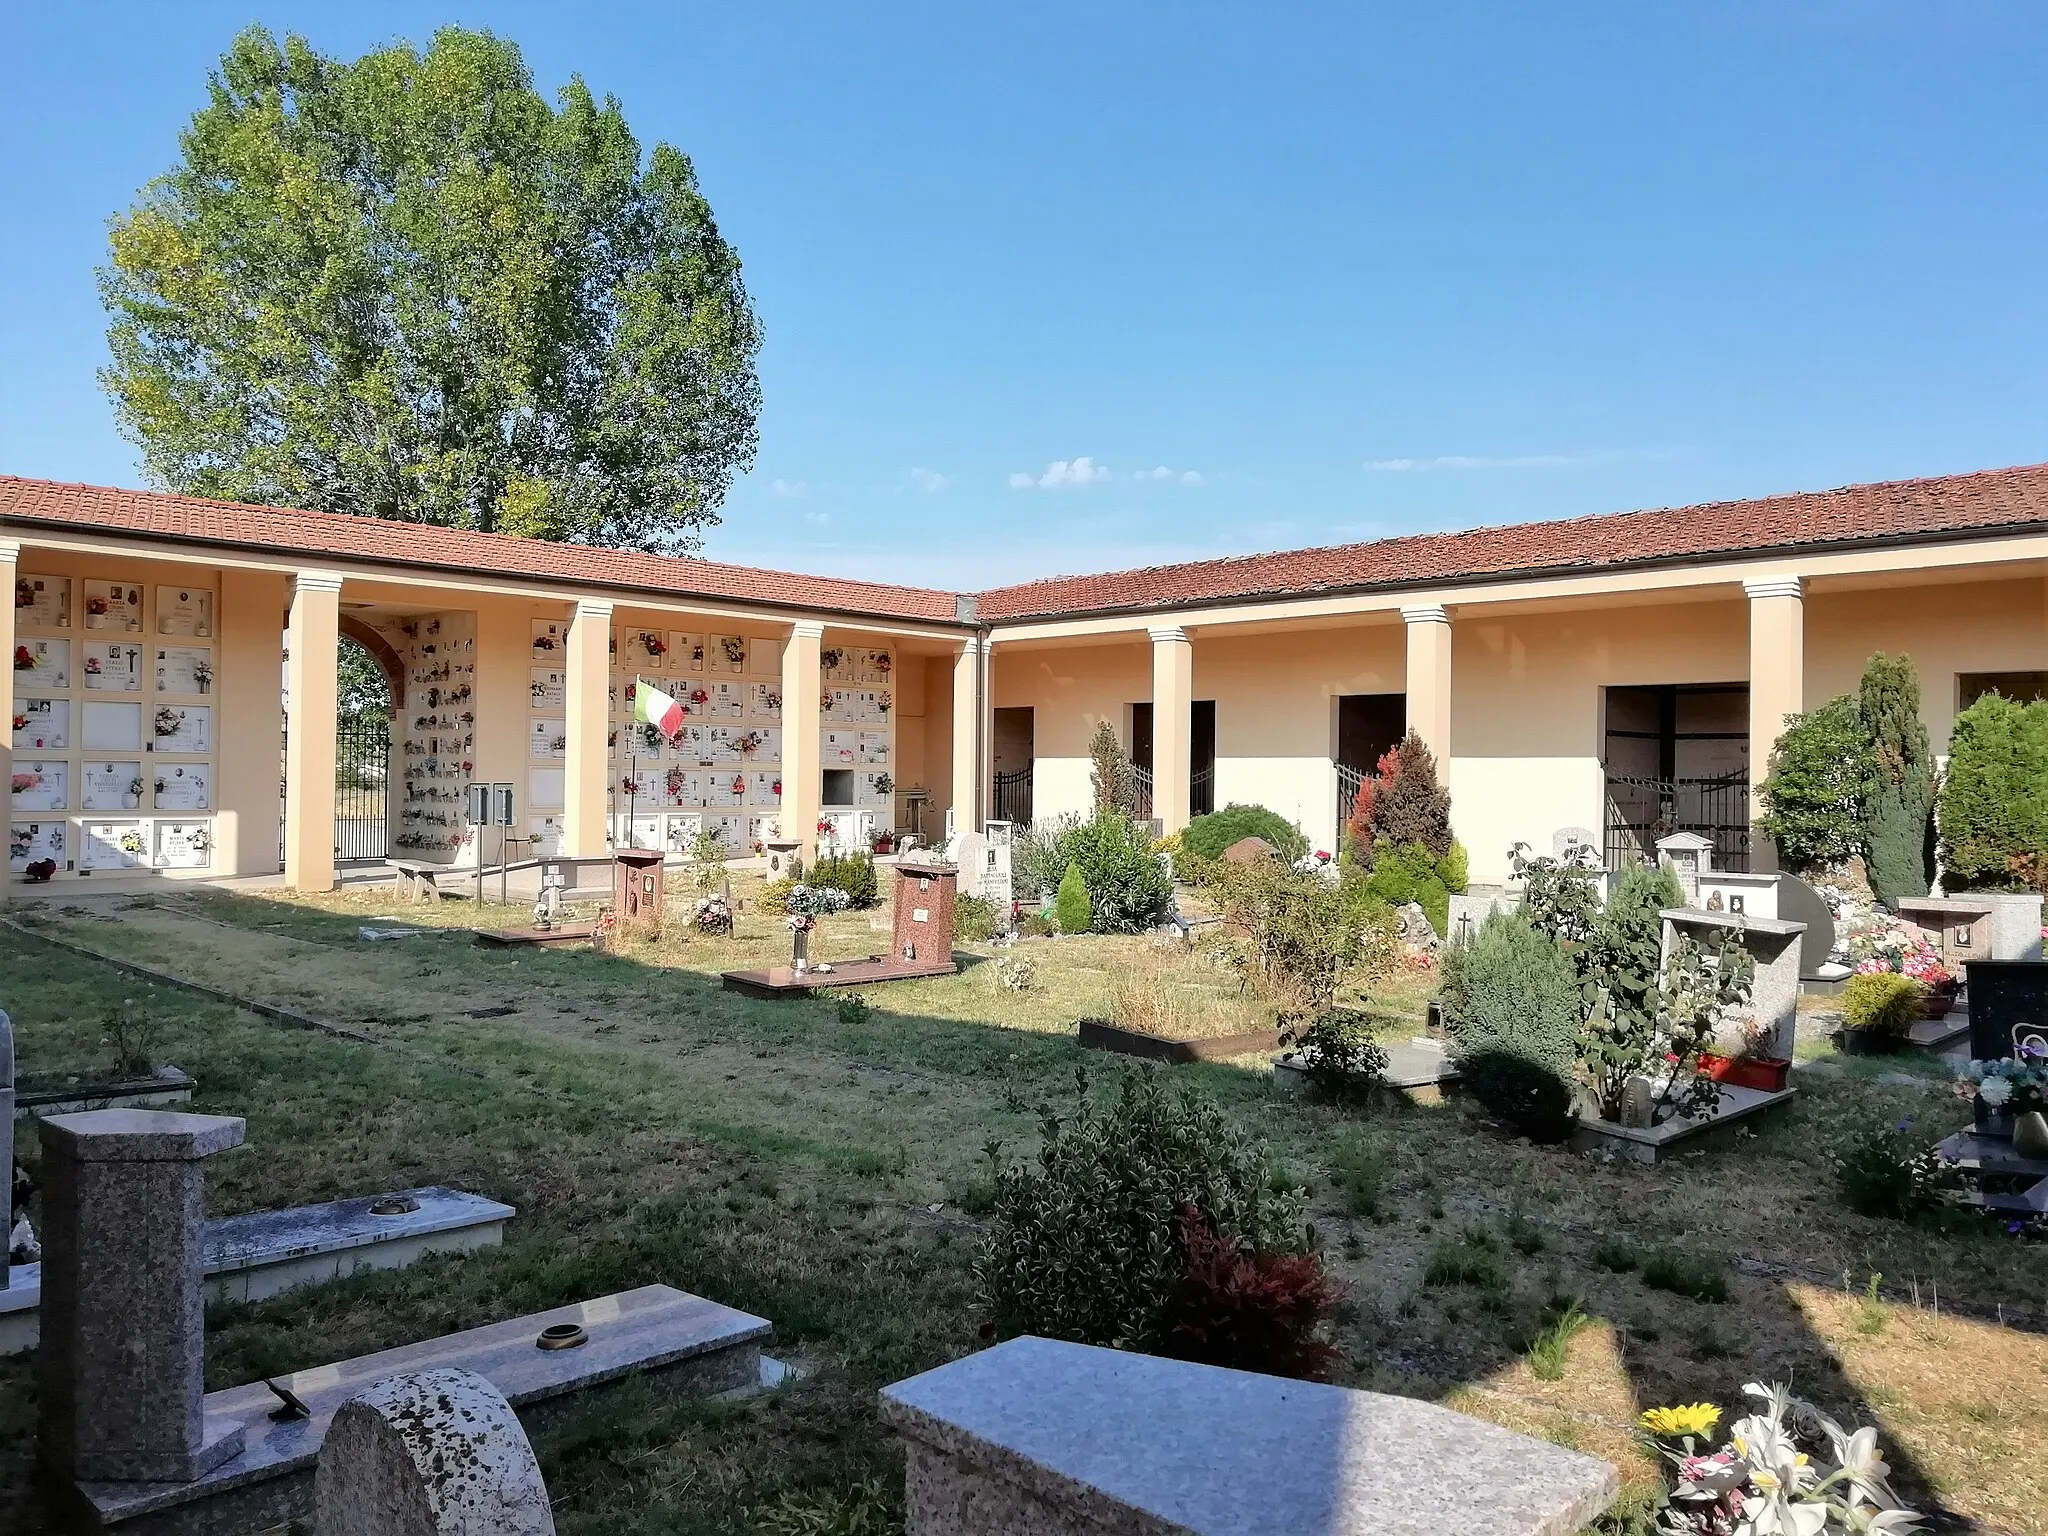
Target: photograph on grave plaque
x=112 y=787
x=184 y=844
x=41 y=725
x=183 y=787
x=185 y=669
x=182 y=728
x=115 y=605
x=111 y=727
x=41 y=664
x=184 y=611
x=113 y=667
x=42 y=602
x=41 y=786
x=111 y=845
x=35 y=842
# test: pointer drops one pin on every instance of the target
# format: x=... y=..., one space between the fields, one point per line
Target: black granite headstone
x=2005 y=995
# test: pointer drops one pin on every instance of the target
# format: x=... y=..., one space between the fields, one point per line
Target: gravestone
x=1250 y=850
x=120 y=1377
x=1799 y=902
x=1689 y=856
x=1046 y=1437
x=1565 y=840
x=2008 y=1004
x=1774 y=995
x=429 y=1453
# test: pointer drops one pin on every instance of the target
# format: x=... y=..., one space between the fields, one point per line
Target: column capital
x=970 y=647
x=1774 y=586
x=317 y=581
x=594 y=607
x=807 y=629
x=1168 y=634
x=10 y=551
x=1426 y=613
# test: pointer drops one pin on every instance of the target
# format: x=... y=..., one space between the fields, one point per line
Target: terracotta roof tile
x=336 y=536
x=1901 y=509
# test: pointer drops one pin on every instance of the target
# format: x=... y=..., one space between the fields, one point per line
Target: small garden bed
x=1101 y=1035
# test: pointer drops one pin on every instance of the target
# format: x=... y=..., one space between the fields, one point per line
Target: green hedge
x=1994 y=798
x=1208 y=836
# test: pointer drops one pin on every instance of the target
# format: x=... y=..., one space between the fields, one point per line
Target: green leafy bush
x=1083 y=1244
x=1070 y=908
x=974 y=918
x=853 y=873
x=1822 y=772
x=1128 y=888
x=1338 y=1052
x=1300 y=937
x=1518 y=1036
x=1883 y=1002
x=1898 y=815
x=1410 y=873
x=1038 y=857
x=1207 y=836
x=1888 y=1171
x=1994 y=797
x=1249 y=1311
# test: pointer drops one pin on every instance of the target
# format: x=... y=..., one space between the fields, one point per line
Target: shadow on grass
x=808 y=1164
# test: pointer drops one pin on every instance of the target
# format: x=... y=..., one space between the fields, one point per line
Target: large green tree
x=409 y=287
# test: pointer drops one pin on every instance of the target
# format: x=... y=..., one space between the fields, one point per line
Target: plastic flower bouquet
x=1879 y=942
x=1786 y=1470
x=2009 y=1086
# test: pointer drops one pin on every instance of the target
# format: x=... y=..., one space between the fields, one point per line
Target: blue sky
x=1060 y=287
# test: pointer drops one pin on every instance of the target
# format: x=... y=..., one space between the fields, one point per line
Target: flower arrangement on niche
x=652 y=643
x=168 y=722
x=24 y=659
x=1879 y=942
x=735 y=648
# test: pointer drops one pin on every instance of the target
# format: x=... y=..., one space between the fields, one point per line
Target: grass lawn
x=821 y=1161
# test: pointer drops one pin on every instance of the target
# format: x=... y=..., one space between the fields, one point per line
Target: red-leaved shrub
x=1249 y=1311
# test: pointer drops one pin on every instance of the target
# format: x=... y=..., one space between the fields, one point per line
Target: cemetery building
x=174 y=709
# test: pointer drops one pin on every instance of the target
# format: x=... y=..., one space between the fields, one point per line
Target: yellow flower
x=1675 y=1423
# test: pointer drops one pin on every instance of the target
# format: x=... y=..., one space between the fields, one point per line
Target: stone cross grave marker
x=120 y=1378
x=435 y=1452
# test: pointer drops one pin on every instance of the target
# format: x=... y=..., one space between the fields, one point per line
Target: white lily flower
x=1890 y=1522
x=1866 y=1472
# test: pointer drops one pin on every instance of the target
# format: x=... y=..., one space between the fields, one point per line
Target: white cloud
x=928 y=479
x=789 y=490
x=1177 y=476
x=1062 y=474
x=818 y=518
x=1469 y=461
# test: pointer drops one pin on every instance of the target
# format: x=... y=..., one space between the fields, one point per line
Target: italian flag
x=656 y=708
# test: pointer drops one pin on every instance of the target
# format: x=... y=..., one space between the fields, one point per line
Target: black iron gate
x=362 y=781
x=1640 y=811
x=1013 y=797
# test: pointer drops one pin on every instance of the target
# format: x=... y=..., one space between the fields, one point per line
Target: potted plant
x=2001 y=1091
x=1748 y=1067
x=1879 y=1009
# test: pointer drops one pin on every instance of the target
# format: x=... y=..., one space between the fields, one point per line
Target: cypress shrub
x=1410 y=873
x=1883 y=1002
x=1994 y=797
x=1412 y=806
x=853 y=873
x=1898 y=827
x=1822 y=772
x=1070 y=907
x=1518 y=1037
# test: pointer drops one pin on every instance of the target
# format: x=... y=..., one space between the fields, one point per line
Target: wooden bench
x=421 y=879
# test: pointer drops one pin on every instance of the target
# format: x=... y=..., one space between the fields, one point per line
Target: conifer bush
x=1207 y=836
x=1519 y=1026
x=1070 y=908
x=1898 y=818
x=1994 y=798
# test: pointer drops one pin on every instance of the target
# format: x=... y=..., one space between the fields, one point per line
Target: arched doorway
x=369 y=687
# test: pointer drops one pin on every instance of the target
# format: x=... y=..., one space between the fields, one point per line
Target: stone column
x=429 y=1453
x=1429 y=681
x=803 y=786
x=586 y=771
x=1173 y=705
x=1777 y=681
x=967 y=736
x=312 y=636
x=120 y=1371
